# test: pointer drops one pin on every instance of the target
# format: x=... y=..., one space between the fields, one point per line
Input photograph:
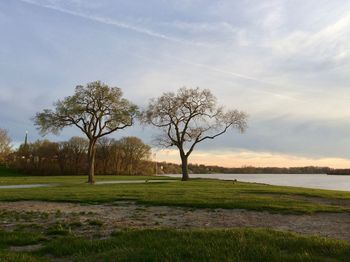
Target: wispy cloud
x=265 y=89
x=107 y=21
x=241 y=76
x=327 y=47
x=284 y=62
x=115 y=23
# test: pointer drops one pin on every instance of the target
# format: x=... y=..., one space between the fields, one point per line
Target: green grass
x=12 y=177
x=4 y=172
x=184 y=245
x=9 y=256
x=8 y=239
x=198 y=193
x=18 y=238
x=241 y=244
x=95 y=222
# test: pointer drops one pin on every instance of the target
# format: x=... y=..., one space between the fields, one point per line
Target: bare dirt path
x=121 y=215
x=313 y=199
x=97 y=183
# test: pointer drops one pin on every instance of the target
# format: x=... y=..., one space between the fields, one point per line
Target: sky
x=285 y=63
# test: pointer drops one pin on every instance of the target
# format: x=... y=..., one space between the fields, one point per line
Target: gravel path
x=96 y=183
x=27 y=186
x=124 y=214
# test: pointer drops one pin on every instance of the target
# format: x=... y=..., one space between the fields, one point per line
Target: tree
x=77 y=149
x=117 y=155
x=5 y=145
x=44 y=151
x=63 y=156
x=189 y=117
x=96 y=109
x=104 y=152
x=134 y=151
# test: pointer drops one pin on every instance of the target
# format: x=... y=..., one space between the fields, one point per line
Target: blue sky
x=286 y=63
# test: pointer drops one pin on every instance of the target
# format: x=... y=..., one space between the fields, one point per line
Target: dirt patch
x=313 y=199
x=29 y=248
x=323 y=201
x=101 y=220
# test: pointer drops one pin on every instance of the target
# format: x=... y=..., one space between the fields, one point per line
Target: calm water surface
x=321 y=181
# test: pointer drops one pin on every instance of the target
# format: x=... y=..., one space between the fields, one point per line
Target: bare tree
x=5 y=145
x=189 y=117
x=96 y=109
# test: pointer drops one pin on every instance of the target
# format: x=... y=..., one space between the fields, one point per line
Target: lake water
x=320 y=181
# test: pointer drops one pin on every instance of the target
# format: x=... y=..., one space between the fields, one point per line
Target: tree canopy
x=188 y=117
x=5 y=145
x=96 y=109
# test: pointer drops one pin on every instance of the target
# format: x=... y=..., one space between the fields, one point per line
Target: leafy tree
x=5 y=145
x=189 y=117
x=63 y=154
x=134 y=151
x=43 y=150
x=77 y=148
x=104 y=152
x=96 y=109
x=124 y=156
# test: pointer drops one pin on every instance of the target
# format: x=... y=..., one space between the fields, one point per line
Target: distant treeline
x=127 y=156
x=339 y=172
x=169 y=168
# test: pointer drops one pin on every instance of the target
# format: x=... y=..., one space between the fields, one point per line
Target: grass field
x=200 y=193
x=37 y=243
x=176 y=245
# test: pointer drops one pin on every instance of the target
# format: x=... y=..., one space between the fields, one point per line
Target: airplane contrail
x=112 y=22
x=236 y=75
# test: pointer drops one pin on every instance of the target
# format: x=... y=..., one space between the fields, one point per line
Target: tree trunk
x=184 y=167
x=91 y=159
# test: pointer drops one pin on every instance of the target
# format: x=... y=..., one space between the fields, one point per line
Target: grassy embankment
x=198 y=193
x=169 y=244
